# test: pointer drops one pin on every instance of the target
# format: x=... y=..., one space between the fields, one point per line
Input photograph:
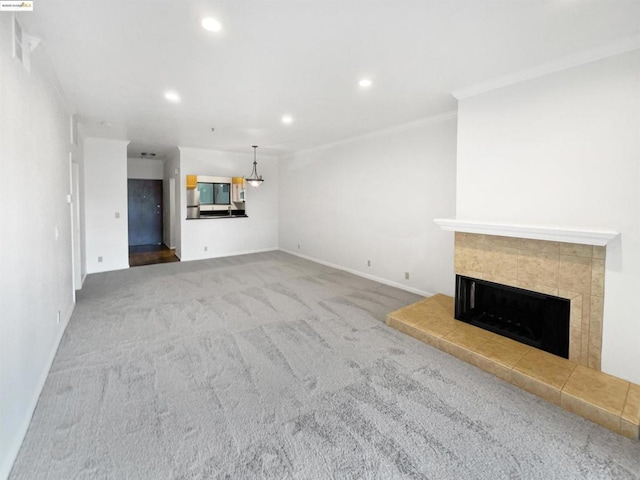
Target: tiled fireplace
x=569 y=270
x=559 y=262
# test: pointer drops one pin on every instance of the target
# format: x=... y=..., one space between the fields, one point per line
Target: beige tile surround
x=567 y=270
x=609 y=401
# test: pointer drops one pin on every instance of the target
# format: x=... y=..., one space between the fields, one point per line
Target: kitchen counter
x=217 y=217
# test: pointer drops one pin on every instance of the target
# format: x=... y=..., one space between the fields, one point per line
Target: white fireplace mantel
x=584 y=236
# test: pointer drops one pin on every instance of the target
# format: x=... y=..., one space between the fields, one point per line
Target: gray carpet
x=270 y=366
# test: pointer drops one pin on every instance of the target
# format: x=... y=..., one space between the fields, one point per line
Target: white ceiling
x=116 y=58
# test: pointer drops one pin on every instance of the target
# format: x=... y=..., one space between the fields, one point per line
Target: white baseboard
x=11 y=455
x=122 y=266
x=385 y=281
x=235 y=254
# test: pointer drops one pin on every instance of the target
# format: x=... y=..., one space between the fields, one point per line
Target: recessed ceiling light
x=211 y=24
x=172 y=96
x=365 y=83
x=287 y=119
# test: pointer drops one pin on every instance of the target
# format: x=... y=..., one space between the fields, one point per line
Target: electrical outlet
x=406 y=275
x=368 y=263
x=58 y=317
x=99 y=259
x=206 y=248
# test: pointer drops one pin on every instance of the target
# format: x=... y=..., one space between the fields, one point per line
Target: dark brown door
x=145 y=212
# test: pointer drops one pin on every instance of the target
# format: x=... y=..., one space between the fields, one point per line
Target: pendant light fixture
x=254 y=179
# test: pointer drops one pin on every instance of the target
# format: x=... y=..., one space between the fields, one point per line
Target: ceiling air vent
x=23 y=44
x=17 y=40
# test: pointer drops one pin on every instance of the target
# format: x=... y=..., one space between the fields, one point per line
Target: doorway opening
x=145 y=212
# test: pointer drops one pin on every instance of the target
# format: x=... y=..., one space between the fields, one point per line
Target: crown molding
x=624 y=46
x=423 y=122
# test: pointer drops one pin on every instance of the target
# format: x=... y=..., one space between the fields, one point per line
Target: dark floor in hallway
x=151 y=254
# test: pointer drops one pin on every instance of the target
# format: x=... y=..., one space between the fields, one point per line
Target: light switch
x=117 y=214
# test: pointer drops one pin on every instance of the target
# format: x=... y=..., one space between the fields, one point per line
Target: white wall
x=35 y=266
x=105 y=190
x=375 y=198
x=564 y=150
x=224 y=237
x=145 y=169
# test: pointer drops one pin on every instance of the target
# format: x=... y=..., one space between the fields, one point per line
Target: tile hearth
x=606 y=400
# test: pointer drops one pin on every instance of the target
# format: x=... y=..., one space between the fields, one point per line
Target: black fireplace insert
x=533 y=318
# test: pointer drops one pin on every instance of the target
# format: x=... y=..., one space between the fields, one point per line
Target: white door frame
x=172 y=212
x=76 y=245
